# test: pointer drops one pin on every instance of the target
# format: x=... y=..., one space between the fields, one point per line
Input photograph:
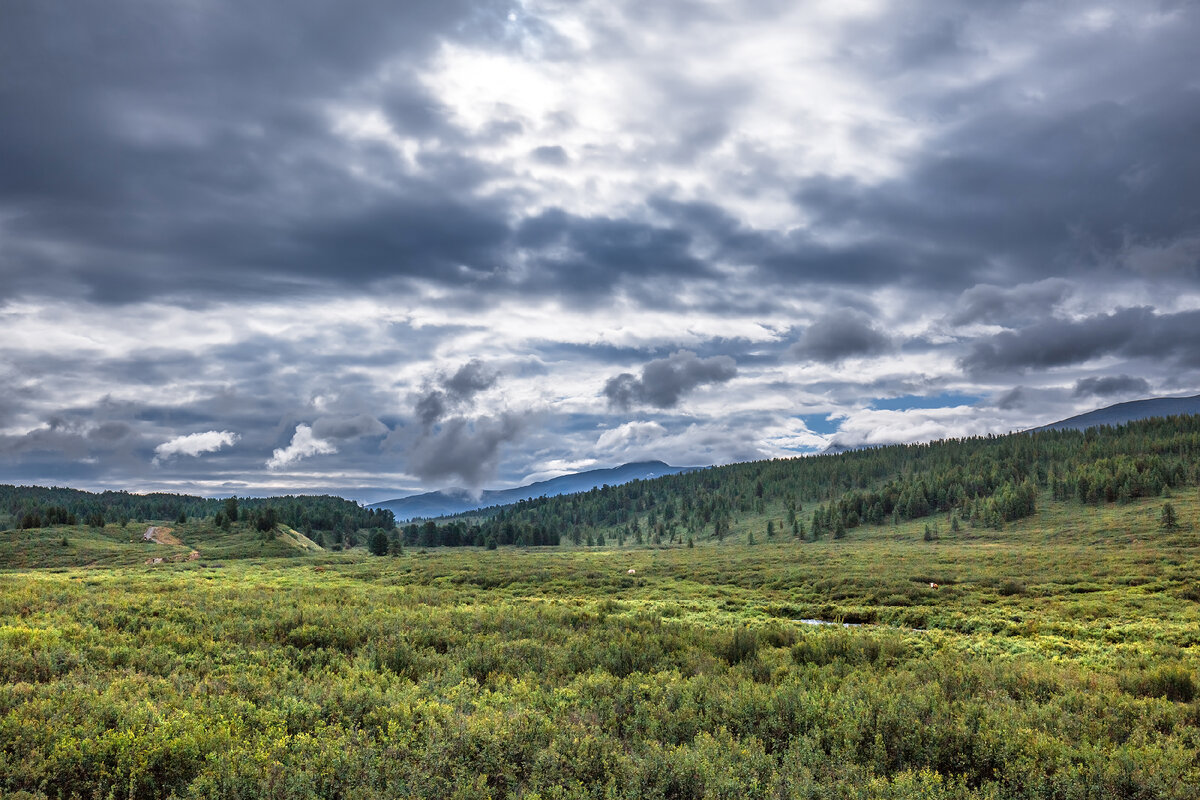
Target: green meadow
x=1058 y=656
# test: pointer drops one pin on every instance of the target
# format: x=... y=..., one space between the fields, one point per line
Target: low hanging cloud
x=194 y=444
x=449 y=444
x=839 y=336
x=468 y=449
x=1108 y=386
x=665 y=380
x=303 y=445
x=454 y=391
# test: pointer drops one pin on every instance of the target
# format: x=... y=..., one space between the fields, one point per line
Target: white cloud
x=303 y=445
x=622 y=437
x=558 y=467
x=194 y=444
x=879 y=427
x=739 y=87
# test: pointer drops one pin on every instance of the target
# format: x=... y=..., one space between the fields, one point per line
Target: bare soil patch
x=161 y=536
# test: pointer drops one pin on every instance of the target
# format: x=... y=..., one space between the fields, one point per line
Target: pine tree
x=1169 y=521
x=378 y=543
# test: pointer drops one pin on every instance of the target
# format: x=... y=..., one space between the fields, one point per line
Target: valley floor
x=1058 y=658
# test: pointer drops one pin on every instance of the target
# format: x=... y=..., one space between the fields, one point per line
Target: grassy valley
x=1055 y=655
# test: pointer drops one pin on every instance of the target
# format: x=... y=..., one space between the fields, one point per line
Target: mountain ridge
x=445 y=502
x=1123 y=413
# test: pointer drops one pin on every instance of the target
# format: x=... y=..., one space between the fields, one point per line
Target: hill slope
x=458 y=501
x=139 y=544
x=1124 y=413
x=985 y=482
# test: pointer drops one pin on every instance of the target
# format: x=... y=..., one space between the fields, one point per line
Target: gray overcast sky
x=379 y=247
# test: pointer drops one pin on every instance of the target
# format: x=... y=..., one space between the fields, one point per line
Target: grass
x=1058 y=657
x=114 y=545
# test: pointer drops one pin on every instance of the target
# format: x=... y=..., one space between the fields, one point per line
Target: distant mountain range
x=1123 y=413
x=1119 y=414
x=458 y=501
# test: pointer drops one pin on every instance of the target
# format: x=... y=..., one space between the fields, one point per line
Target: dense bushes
x=505 y=674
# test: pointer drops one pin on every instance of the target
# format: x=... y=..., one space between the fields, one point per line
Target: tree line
x=37 y=506
x=983 y=481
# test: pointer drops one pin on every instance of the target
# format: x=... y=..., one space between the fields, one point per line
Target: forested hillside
x=36 y=507
x=982 y=482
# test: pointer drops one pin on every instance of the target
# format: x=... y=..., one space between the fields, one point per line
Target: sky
x=377 y=248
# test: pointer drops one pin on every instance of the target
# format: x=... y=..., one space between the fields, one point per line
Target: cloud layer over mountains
x=370 y=247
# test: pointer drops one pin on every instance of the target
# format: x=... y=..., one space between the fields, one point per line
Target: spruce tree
x=1169 y=521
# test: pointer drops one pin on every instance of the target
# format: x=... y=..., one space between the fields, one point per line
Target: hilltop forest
x=980 y=482
x=36 y=507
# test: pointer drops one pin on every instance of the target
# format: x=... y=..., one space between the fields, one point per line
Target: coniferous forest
x=981 y=482
x=35 y=506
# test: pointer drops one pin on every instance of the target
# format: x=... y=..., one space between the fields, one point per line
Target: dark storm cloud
x=929 y=43
x=1013 y=398
x=581 y=255
x=1001 y=305
x=1110 y=385
x=838 y=336
x=65 y=441
x=664 y=381
x=449 y=442
x=110 y=432
x=250 y=388
x=159 y=151
x=348 y=427
x=1127 y=332
x=467 y=449
x=470 y=379
x=449 y=393
x=410 y=234
x=170 y=150
x=431 y=407
x=1017 y=188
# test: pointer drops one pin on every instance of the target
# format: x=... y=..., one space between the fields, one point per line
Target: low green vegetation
x=1056 y=658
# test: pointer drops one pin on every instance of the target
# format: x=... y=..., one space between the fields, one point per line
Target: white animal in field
x=934 y=586
x=631 y=571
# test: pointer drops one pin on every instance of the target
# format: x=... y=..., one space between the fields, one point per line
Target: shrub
x=1170 y=681
x=741 y=646
x=1010 y=588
